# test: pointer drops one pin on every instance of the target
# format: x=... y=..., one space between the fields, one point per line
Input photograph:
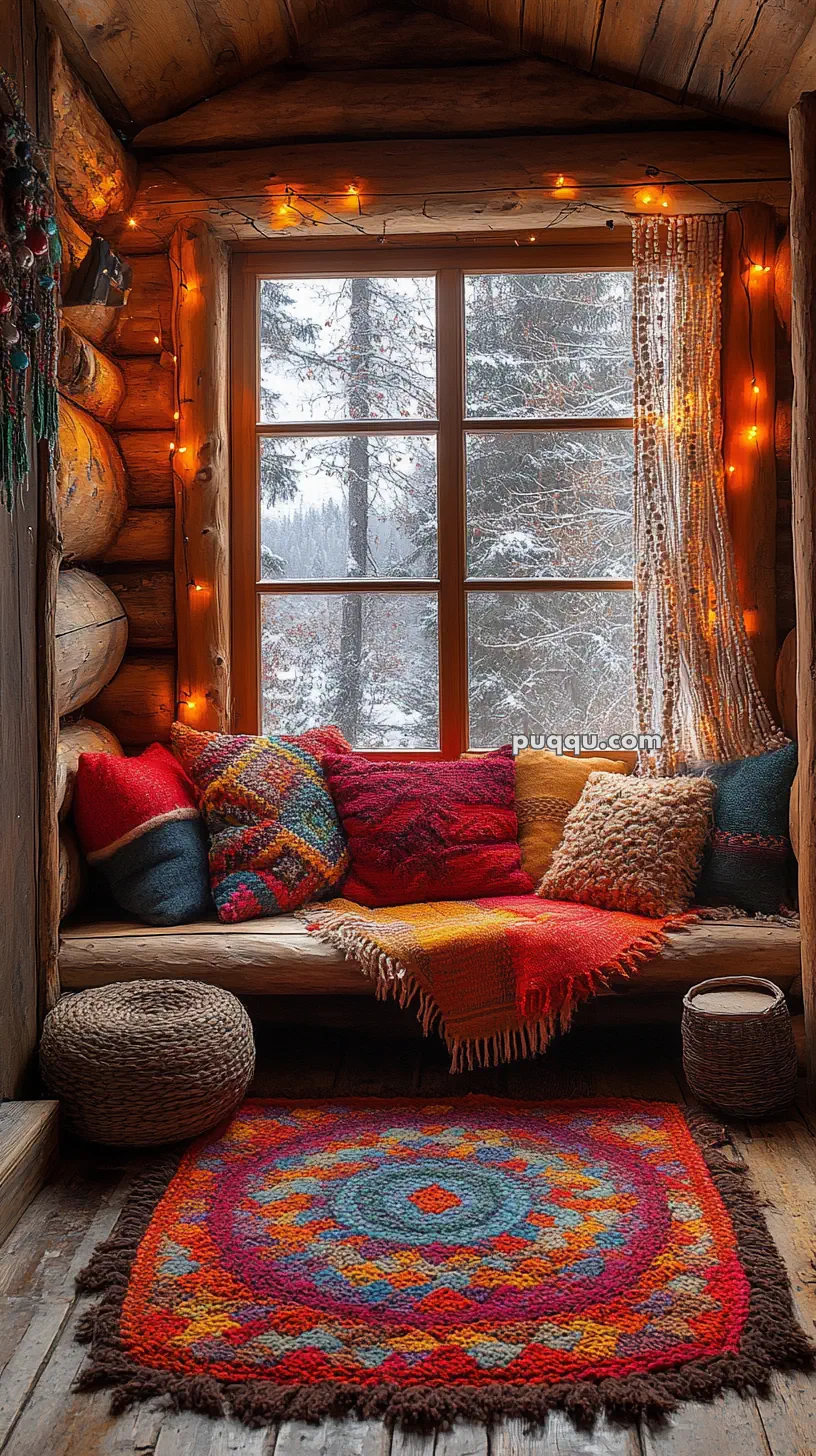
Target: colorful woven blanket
x=498 y=977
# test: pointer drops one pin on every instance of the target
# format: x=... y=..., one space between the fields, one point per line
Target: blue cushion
x=162 y=876
x=749 y=862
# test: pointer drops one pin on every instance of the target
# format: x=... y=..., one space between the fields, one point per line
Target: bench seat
x=277 y=957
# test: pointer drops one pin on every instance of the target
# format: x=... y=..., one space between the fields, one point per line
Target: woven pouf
x=147 y=1062
x=738 y=1049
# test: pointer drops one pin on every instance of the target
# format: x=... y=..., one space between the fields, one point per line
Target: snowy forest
x=540 y=503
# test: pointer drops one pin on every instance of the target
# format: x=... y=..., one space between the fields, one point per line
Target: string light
x=172 y=446
x=182 y=450
x=755 y=387
x=190 y=703
x=175 y=414
x=132 y=222
x=731 y=469
x=352 y=190
x=559 y=181
x=752 y=432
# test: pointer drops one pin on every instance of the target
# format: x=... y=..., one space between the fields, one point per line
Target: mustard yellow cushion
x=548 y=785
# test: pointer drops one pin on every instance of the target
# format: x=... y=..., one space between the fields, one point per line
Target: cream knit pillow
x=632 y=844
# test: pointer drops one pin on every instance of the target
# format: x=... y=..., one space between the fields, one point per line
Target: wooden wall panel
x=148 y=600
x=20 y=618
x=201 y=467
x=145 y=536
x=749 y=392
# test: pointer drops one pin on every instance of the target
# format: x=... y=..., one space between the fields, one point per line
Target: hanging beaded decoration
x=29 y=285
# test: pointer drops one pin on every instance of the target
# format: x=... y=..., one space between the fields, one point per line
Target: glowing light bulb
x=756 y=268
x=559 y=181
x=664 y=202
x=182 y=450
x=172 y=446
x=175 y=414
x=190 y=703
x=752 y=433
x=131 y=222
x=532 y=237
x=756 y=389
x=352 y=190
x=731 y=469
x=156 y=339
x=644 y=197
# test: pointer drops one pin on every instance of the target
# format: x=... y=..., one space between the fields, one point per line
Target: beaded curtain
x=695 y=681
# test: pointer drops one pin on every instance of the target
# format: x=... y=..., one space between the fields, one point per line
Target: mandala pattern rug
x=423 y=1260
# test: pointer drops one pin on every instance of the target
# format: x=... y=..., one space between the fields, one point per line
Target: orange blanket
x=498 y=977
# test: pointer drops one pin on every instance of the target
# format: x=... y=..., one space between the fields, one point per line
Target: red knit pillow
x=428 y=831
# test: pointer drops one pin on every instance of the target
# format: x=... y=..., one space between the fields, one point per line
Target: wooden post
x=49 y=556
x=748 y=393
x=201 y=473
x=803 y=475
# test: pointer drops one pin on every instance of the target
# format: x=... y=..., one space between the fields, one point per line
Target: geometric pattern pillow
x=548 y=786
x=749 y=862
x=632 y=844
x=275 y=839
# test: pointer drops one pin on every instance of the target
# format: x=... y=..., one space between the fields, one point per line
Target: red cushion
x=428 y=831
x=117 y=798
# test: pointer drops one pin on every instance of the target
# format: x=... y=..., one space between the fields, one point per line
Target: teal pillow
x=749 y=861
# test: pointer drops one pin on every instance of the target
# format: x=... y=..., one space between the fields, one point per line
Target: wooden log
x=793 y=815
x=782 y=283
x=202 y=477
x=82 y=736
x=803 y=474
x=148 y=599
x=94 y=321
x=149 y=402
x=421 y=101
x=149 y=466
x=786 y=684
x=49 y=557
x=93 y=172
x=71 y=871
x=91 y=488
x=88 y=377
x=782 y=436
x=91 y=636
x=477 y=183
x=277 y=957
x=145 y=536
x=144 y=325
x=75 y=243
x=748 y=363
x=139 y=705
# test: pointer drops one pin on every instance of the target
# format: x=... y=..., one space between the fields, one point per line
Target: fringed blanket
x=498 y=977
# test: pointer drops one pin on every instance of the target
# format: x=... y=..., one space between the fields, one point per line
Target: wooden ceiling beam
x=445 y=185
x=287 y=104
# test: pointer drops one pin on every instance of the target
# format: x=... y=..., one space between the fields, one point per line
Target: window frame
x=449 y=264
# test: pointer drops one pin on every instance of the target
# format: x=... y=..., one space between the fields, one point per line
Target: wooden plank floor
x=40 y=1415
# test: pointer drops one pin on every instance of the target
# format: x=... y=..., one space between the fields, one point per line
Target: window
x=432 y=513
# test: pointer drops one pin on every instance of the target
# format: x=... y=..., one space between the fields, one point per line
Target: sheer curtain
x=695 y=681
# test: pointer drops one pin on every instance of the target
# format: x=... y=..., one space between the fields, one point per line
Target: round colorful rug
x=426 y=1259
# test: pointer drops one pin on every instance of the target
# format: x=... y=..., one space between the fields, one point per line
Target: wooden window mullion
x=453 y=686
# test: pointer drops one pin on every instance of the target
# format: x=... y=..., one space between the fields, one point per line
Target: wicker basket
x=738 y=1049
x=145 y=1062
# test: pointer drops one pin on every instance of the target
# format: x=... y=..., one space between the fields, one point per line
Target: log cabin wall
x=115 y=621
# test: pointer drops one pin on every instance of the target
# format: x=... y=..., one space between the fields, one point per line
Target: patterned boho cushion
x=749 y=861
x=548 y=785
x=139 y=824
x=428 y=831
x=632 y=844
x=275 y=840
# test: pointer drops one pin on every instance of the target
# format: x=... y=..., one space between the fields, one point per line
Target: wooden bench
x=277 y=957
